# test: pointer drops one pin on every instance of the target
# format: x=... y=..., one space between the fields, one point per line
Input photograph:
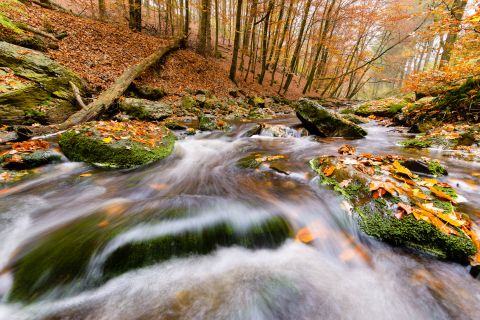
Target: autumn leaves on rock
x=113 y=144
x=393 y=204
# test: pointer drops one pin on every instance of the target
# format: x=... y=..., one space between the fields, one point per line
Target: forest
x=233 y=159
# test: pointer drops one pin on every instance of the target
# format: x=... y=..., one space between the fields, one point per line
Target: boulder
x=394 y=205
x=33 y=85
x=320 y=121
x=387 y=107
x=147 y=92
x=113 y=144
x=142 y=109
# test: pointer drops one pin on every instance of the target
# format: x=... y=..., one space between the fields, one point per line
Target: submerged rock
x=318 y=120
x=394 y=205
x=39 y=90
x=87 y=248
x=113 y=144
x=142 y=109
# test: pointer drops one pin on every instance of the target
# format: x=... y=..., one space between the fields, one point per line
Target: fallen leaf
x=107 y=140
x=347 y=149
x=88 y=174
x=328 y=171
x=401 y=169
x=442 y=195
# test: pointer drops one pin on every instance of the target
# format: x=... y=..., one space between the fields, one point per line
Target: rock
x=147 y=92
x=113 y=144
x=253 y=129
x=53 y=265
x=430 y=167
x=391 y=204
x=174 y=125
x=188 y=103
x=30 y=160
x=233 y=93
x=318 y=120
x=355 y=119
x=279 y=131
x=39 y=87
x=28 y=154
x=142 y=109
x=256 y=102
x=388 y=107
x=206 y=123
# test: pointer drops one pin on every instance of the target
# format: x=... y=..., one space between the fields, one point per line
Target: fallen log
x=31 y=29
x=105 y=99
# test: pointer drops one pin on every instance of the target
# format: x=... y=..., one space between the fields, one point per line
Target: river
x=340 y=274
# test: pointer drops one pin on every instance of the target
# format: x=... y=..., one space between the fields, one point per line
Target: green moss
x=444 y=205
x=416 y=234
x=249 y=162
x=347 y=111
x=268 y=234
x=206 y=123
x=449 y=191
x=395 y=108
x=188 y=103
x=78 y=147
x=416 y=143
x=58 y=260
x=436 y=168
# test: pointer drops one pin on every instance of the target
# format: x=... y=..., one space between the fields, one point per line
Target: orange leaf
x=328 y=171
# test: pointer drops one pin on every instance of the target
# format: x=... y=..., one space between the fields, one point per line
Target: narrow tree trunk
x=187 y=19
x=266 y=24
x=294 y=60
x=280 y=43
x=216 y=53
x=102 y=9
x=236 y=42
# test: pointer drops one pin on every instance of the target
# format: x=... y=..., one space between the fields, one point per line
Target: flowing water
x=218 y=268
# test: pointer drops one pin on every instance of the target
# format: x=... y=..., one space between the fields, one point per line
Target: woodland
x=309 y=159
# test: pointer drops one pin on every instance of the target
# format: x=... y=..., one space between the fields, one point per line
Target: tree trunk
x=280 y=43
x=266 y=24
x=187 y=19
x=296 y=53
x=216 y=29
x=236 y=42
x=458 y=9
x=102 y=9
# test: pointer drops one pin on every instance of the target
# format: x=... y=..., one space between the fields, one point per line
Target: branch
x=26 y=27
x=76 y=93
x=378 y=56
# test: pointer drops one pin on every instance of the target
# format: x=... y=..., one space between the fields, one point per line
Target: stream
x=341 y=274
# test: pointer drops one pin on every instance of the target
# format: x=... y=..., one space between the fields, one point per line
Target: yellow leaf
x=442 y=195
x=107 y=140
x=88 y=174
x=401 y=169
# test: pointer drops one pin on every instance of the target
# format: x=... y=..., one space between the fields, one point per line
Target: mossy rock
x=60 y=263
x=388 y=107
x=320 y=121
x=256 y=102
x=413 y=233
x=207 y=123
x=87 y=143
x=147 y=92
x=189 y=103
x=355 y=119
x=267 y=234
x=376 y=216
x=46 y=85
x=142 y=109
x=416 y=143
x=30 y=160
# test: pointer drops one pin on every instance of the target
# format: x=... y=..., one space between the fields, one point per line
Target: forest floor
x=99 y=52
